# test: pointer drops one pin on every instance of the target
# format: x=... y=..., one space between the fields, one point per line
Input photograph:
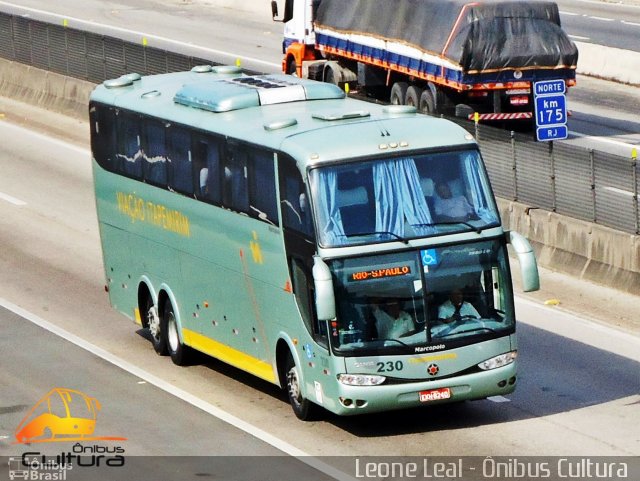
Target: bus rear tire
x=304 y=409
x=180 y=354
x=154 y=324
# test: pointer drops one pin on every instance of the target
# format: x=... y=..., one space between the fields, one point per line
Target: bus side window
x=296 y=213
x=155 y=153
x=103 y=138
x=179 y=160
x=235 y=191
x=262 y=187
x=129 y=149
x=206 y=165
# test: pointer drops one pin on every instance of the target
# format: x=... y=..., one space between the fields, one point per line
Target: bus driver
x=391 y=321
x=456 y=307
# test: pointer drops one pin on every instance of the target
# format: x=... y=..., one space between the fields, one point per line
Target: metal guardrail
x=584 y=184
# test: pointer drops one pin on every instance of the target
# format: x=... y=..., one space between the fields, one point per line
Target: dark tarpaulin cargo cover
x=478 y=36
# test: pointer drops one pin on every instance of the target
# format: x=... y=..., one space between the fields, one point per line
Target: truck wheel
x=413 y=96
x=332 y=74
x=427 y=103
x=398 y=93
x=292 y=67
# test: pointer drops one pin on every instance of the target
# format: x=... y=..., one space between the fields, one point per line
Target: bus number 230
x=390 y=366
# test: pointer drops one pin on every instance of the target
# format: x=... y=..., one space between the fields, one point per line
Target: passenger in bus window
x=204 y=178
x=455 y=308
x=450 y=206
x=391 y=320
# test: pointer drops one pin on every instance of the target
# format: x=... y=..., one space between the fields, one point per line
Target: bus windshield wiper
x=396 y=340
x=477 y=329
x=450 y=222
x=392 y=234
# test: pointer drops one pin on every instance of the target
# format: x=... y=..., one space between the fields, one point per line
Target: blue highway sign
x=550 y=110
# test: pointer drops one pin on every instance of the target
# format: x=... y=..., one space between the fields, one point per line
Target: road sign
x=550 y=109
x=552 y=133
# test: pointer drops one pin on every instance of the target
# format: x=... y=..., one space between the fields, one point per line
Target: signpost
x=550 y=109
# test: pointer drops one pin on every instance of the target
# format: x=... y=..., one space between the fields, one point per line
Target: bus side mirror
x=274 y=10
x=325 y=298
x=527 y=260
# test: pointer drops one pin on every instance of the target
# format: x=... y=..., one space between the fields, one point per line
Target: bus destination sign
x=380 y=273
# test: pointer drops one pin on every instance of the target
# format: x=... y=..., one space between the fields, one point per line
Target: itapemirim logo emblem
x=62 y=415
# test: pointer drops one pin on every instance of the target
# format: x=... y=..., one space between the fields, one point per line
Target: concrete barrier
x=578 y=248
x=609 y=63
x=49 y=90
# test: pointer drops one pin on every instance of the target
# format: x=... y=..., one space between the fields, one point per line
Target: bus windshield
x=419 y=298
x=399 y=198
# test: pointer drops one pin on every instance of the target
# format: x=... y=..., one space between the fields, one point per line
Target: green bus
x=348 y=252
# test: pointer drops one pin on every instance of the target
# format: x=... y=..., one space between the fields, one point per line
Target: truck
x=477 y=59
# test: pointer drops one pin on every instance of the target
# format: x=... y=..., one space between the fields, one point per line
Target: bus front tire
x=303 y=408
x=180 y=354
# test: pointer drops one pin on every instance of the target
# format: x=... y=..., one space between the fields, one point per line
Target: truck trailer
x=456 y=57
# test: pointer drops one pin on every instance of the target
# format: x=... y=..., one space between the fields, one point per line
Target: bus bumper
x=352 y=400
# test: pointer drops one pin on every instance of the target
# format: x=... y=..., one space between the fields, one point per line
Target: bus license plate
x=435 y=394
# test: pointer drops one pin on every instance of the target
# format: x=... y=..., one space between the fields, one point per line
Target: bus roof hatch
x=224 y=95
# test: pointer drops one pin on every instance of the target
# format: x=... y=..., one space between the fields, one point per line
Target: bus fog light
x=361 y=379
x=498 y=361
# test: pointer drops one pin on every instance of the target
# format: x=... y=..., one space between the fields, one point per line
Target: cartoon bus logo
x=61 y=415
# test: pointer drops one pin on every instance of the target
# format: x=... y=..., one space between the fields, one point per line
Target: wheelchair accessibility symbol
x=429 y=257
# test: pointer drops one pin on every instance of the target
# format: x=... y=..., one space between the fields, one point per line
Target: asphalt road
x=604 y=114
x=578 y=392
x=614 y=24
x=162 y=433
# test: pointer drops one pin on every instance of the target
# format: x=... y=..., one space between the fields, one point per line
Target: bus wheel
x=177 y=350
x=302 y=408
x=398 y=93
x=154 y=324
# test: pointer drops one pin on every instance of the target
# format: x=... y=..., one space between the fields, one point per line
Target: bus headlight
x=498 y=361
x=361 y=379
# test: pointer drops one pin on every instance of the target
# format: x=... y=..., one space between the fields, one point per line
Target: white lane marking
x=630 y=23
x=12 y=200
x=602 y=139
x=609 y=4
x=179 y=393
x=499 y=399
x=45 y=137
x=230 y=55
x=603 y=19
x=573 y=14
x=578 y=37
